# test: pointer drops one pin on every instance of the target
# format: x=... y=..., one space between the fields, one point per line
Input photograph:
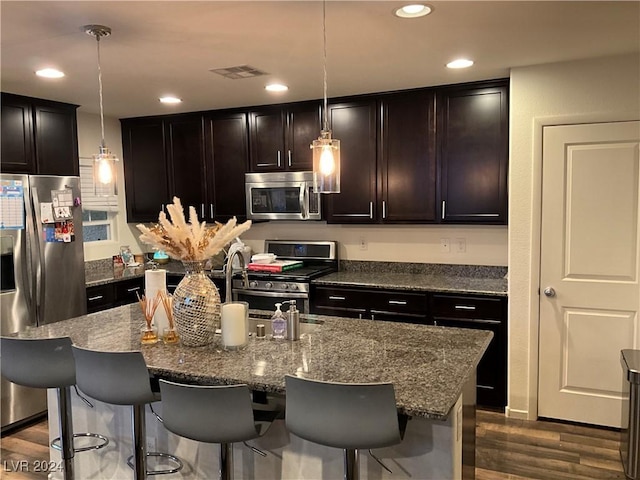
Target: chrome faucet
x=229 y=273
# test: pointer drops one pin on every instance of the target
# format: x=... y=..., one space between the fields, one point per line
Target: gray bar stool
x=122 y=378
x=350 y=416
x=215 y=414
x=49 y=363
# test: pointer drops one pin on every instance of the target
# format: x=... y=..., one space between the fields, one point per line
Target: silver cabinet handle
x=211 y=210
x=465 y=307
x=373 y=317
x=97 y=297
x=134 y=289
x=397 y=302
x=278 y=158
x=550 y=292
x=202 y=211
x=333 y=297
x=371 y=210
x=384 y=209
x=289 y=155
x=444 y=206
x=360 y=316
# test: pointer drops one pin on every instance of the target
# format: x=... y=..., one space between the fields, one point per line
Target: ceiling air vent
x=241 y=71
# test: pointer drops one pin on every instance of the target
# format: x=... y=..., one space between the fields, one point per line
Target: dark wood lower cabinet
x=480 y=313
x=103 y=297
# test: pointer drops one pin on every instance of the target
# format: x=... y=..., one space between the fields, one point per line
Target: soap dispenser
x=278 y=324
x=293 y=321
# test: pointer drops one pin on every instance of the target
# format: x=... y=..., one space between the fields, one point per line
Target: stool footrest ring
x=104 y=441
x=172 y=458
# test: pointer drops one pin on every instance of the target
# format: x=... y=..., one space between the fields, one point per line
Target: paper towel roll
x=155 y=281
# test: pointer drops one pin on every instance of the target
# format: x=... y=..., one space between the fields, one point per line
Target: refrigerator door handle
x=38 y=252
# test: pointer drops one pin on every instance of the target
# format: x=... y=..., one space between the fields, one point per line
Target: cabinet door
x=100 y=297
x=127 y=291
x=267 y=140
x=354 y=124
x=185 y=158
x=473 y=148
x=56 y=135
x=408 y=161
x=17 y=136
x=226 y=164
x=145 y=168
x=303 y=127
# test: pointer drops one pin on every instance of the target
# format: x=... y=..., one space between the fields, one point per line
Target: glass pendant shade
x=326 y=164
x=104 y=172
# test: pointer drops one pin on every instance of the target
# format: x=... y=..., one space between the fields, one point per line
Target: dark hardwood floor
x=507 y=449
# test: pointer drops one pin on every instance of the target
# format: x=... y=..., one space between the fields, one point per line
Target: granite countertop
x=416 y=282
x=427 y=365
x=109 y=274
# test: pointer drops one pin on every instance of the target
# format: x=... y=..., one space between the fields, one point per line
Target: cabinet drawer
x=464 y=306
x=126 y=290
x=338 y=301
x=398 y=303
x=99 y=298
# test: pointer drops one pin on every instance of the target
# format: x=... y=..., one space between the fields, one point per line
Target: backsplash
x=468 y=271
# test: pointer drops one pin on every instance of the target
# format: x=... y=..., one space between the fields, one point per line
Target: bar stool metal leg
x=226 y=461
x=351 y=464
x=66 y=431
x=139 y=442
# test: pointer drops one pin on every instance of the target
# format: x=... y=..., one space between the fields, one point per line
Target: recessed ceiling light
x=276 y=87
x=169 y=99
x=50 y=73
x=413 y=11
x=460 y=63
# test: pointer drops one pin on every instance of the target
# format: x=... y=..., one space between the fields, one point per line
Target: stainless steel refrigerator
x=42 y=268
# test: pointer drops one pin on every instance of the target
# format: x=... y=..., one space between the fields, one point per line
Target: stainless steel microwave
x=282 y=196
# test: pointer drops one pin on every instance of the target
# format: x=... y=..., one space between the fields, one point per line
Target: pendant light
x=326 y=150
x=104 y=166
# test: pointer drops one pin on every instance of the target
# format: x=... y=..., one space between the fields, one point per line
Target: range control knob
x=253 y=284
x=268 y=285
x=284 y=286
x=293 y=286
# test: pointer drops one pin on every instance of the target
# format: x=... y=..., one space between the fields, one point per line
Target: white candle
x=233 y=324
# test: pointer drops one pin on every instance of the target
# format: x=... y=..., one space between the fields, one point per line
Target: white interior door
x=590 y=253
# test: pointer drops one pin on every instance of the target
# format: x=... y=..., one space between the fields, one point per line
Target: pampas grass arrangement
x=193 y=241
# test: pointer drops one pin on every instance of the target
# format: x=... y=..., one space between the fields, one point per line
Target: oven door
x=260 y=300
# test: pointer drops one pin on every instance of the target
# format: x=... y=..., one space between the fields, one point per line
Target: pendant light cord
x=324 y=63
x=100 y=91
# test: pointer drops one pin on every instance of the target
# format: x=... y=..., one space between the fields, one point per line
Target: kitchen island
x=430 y=367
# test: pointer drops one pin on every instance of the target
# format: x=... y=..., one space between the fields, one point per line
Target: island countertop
x=427 y=365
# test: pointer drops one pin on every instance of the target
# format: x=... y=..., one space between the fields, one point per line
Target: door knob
x=549 y=292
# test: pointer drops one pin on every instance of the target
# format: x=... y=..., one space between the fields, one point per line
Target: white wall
x=594 y=90
x=410 y=243
x=89 y=136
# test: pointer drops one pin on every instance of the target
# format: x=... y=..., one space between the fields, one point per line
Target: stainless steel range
x=267 y=288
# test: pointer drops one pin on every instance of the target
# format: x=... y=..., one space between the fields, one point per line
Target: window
x=98 y=211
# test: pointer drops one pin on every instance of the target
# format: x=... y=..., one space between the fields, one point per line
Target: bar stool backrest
x=213 y=414
x=342 y=415
x=119 y=378
x=38 y=362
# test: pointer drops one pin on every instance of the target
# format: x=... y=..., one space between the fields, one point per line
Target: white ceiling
x=168 y=47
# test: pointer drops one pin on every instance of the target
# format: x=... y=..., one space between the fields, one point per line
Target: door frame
x=531 y=413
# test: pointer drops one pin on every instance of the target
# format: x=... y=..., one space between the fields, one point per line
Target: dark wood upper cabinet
x=407 y=171
x=145 y=168
x=227 y=155
x=280 y=137
x=185 y=161
x=473 y=153
x=354 y=124
x=39 y=136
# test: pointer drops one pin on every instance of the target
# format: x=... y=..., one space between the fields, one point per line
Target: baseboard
x=519 y=414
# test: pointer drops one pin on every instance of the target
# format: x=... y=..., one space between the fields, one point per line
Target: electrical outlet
x=445 y=247
x=461 y=245
x=363 y=243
